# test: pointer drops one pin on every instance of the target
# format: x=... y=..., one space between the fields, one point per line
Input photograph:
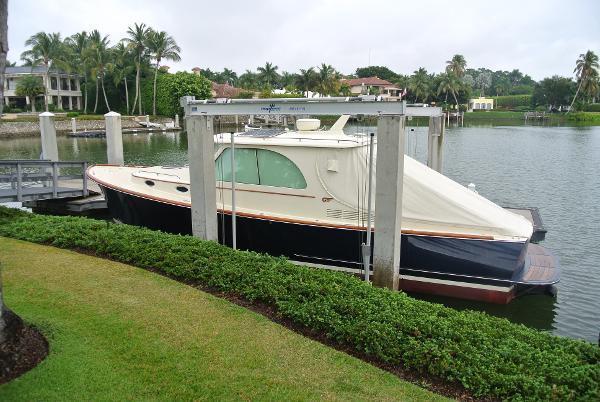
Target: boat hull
x=465 y=268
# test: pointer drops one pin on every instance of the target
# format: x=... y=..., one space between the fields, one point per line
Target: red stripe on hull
x=457 y=291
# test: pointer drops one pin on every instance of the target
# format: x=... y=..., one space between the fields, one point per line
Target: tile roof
x=367 y=81
x=225 y=90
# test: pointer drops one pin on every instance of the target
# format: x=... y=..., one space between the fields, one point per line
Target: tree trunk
x=126 y=94
x=154 y=89
x=96 y=104
x=104 y=93
x=32 y=101
x=576 y=93
x=85 y=81
x=455 y=100
x=137 y=76
x=46 y=85
x=139 y=85
x=3 y=52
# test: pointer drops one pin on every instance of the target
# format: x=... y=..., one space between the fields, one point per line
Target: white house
x=481 y=103
x=62 y=89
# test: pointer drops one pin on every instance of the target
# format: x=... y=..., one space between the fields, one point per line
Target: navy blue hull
x=466 y=260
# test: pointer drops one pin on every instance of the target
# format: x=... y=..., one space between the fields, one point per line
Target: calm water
x=552 y=168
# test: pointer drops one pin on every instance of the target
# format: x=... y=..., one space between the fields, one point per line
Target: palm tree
x=99 y=54
x=137 y=40
x=30 y=86
x=306 y=79
x=457 y=65
x=327 y=80
x=79 y=43
x=161 y=46
x=121 y=67
x=586 y=67
x=45 y=49
x=449 y=83
x=248 y=80
x=267 y=74
x=419 y=84
x=229 y=76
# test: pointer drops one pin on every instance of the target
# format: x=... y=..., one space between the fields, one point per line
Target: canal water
x=553 y=168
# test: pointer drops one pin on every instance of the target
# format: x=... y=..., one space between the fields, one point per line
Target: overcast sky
x=541 y=38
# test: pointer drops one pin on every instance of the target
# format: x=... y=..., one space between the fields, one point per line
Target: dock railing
x=24 y=180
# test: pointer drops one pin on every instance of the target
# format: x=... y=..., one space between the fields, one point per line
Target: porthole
x=149 y=183
x=182 y=189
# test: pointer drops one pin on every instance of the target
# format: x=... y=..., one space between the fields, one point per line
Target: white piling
x=147 y=121
x=177 y=120
x=48 y=134
x=114 y=138
x=251 y=119
x=237 y=120
x=73 y=125
x=202 y=176
x=388 y=201
x=233 y=210
x=435 y=143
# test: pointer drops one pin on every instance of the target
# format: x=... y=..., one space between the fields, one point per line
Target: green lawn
x=118 y=333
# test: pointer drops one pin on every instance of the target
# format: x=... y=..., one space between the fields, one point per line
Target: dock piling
x=388 y=200
x=48 y=134
x=435 y=140
x=114 y=138
x=176 y=120
x=73 y=125
x=202 y=176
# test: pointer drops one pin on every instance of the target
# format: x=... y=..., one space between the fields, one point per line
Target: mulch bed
x=24 y=348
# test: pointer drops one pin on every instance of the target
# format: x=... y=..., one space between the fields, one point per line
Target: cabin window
x=182 y=189
x=149 y=183
x=260 y=166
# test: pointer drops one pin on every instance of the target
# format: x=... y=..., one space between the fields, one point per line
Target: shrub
x=512 y=101
x=72 y=114
x=170 y=88
x=591 y=107
x=489 y=356
x=245 y=95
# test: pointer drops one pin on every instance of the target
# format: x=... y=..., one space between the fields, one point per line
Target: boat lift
x=391 y=118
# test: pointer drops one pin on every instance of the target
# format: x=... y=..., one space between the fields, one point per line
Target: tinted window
x=259 y=166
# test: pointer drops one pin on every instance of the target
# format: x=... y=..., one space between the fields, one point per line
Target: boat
x=302 y=194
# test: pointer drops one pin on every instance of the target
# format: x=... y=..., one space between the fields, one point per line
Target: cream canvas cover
x=430 y=202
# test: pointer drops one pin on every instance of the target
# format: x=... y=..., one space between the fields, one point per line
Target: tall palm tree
x=267 y=74
x=161 y=46
x=137 y=39
x=229 y=76
x=327 y=80
x=586 y=67
x=99 y=54
x=419 y=84
x=449 y=83
x=79 y=43
x=248 y=80
x=122 y=66
x=306 y=79
x=45 y=49
x=457 y=65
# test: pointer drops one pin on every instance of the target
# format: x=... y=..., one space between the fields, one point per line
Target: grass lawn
x=118 y=333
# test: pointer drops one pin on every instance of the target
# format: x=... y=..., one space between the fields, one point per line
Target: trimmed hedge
x=591 y=107
x=491 y=357
x=512 y=101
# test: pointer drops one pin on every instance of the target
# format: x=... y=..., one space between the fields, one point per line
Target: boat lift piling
x=114 y=138
x=390 y=156
x=435 y=140
x=48 y=134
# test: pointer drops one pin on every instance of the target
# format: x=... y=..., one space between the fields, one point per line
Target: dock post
x=388 y=201
x=147 y=121
x=251 y=119
x=237 y=120
x=202 y=176
x=435 y=141
x=73 y=125
x=114 y=138
x=285 y=123
x=48 y=133
x=177 y=120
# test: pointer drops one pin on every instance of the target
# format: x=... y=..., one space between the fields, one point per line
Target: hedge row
x=491 y=357
x=512 y=101
x=591 y=107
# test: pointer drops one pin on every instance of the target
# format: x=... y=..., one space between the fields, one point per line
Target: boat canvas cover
x=430 y=200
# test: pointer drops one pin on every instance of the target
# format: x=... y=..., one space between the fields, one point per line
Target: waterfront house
x=374 y=86
x=62 y=89
x=481 y=103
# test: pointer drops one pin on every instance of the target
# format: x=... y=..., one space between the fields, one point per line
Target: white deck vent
x=308 y=124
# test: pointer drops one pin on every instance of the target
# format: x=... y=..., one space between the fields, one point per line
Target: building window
x=261 y=167
x=64 y=85
x=73 y=85
x=53 y=84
